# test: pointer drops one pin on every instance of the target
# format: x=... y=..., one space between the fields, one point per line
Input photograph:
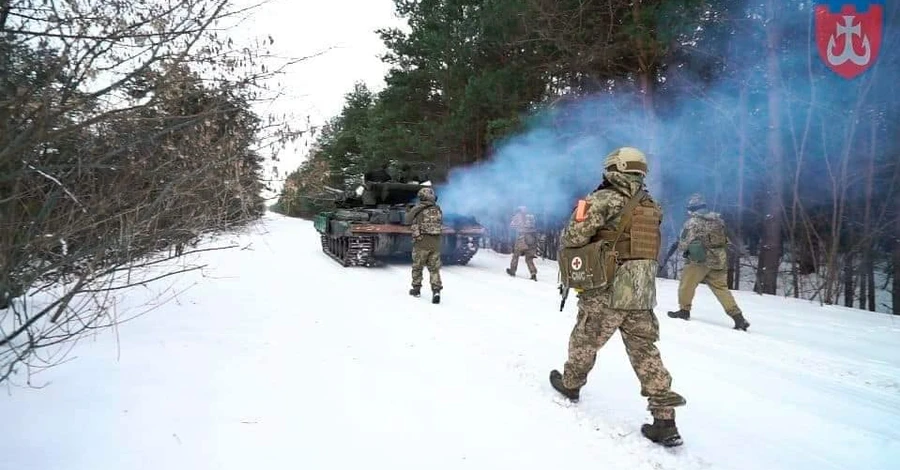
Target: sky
x=314 y=89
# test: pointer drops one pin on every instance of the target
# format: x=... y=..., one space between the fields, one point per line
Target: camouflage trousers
x=426 y=257
x=716 y=279
x=529 y=252
x=640 y=331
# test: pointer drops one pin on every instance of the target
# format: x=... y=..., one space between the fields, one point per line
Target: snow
x=276 y=357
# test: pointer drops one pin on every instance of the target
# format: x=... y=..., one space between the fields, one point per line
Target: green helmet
x=626 y=160
x=426 y=194
x=695 y=202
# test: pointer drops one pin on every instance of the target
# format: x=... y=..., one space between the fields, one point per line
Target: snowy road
x=280 y=358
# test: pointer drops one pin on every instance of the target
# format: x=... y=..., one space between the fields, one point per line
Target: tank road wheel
x=336 y=248
x=463 y=253
x=350 y=251
x=344 y=251
x=360 y=251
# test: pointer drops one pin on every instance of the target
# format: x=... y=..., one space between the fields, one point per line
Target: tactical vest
x=715 y=236
x=637 y=236
x=430 y=221
x=640 y=237
x=523 y=223
x=528 y=225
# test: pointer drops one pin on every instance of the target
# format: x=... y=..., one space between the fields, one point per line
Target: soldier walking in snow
x=526 y=242
x=703 y=242
x=426 y=221
x=609 y=256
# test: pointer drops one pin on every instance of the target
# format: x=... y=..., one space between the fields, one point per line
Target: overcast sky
x=316 y=88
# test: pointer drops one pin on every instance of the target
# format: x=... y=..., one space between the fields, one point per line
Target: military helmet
x=695 y=202
x=626 y=160
x=427 y=194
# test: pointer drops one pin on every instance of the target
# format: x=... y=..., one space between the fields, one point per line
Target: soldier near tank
x=379 y=175
x=704 y=243
x=426 y=221
x=609 y=256
x=405 y=175
x=526 y=242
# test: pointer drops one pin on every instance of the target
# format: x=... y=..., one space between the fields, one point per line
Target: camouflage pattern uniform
x=426 y=222
x=625 y=305
x=526 y=242
x=708 y=229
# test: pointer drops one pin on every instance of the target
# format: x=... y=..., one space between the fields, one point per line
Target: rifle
x=563 y=292
x=662 y=266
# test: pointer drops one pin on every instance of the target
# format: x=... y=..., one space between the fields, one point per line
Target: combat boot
x=534 y=277
x=682 y=314
x=662 y=431
x=510 y=272
x=556 y=380
x=436 y=296
x=740 y=323
x=415 y=291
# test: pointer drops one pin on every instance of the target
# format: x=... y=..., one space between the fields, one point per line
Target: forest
x=513 y=102
x=127 y=135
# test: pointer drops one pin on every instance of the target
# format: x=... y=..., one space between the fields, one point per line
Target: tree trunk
x=895 y=298
x=862 y=280
x=770 y=251
x=849 y=288
x=867 y=281
x=742 y=153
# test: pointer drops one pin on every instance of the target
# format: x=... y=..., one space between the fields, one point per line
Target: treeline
x=126 y=134
x=728 y=97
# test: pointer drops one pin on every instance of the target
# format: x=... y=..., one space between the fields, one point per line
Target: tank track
x=462 y=254
x=350 y=251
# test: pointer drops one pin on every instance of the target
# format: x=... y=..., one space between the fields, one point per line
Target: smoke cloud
x=696 y=135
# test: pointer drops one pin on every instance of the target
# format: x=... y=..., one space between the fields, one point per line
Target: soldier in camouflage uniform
x=626 y=303
x=426 y=222
x=526 y=242
x=704 y=242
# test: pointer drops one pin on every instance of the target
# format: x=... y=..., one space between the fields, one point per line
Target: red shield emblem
x=848 y=34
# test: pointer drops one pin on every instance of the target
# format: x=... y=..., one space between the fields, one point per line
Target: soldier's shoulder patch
x=581 y=210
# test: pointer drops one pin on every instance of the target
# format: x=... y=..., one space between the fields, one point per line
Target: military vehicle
x=367 y=227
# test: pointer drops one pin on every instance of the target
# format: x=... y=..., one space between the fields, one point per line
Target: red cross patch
x=576 y=263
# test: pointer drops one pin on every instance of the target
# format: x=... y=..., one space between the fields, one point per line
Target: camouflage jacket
x=426 y=218
x=634 y=284
x=709 y=228
x=523 y=224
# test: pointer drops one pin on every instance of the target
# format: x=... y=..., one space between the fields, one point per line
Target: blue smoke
x=558 y=157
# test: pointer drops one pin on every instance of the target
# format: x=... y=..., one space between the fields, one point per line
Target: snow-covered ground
x=278 y=358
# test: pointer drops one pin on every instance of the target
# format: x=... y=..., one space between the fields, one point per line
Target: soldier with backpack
x=609 y=256
x=426 y=223
x=526 y=242
x=703 y=243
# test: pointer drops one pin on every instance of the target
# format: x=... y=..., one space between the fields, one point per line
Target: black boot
x=557 y=383
x=740 y=323
x=435 y=296
x=415 y=291
x=510 y=272
x=682 y=314
x=534 y=277
x=662 y=431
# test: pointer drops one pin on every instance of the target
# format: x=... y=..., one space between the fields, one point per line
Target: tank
x=367 y=227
